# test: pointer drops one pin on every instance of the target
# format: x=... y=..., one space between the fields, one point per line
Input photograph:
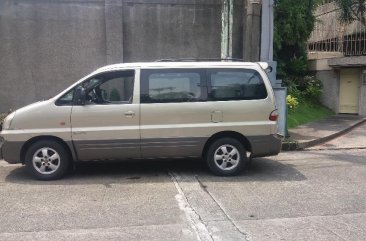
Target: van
x=223 y=112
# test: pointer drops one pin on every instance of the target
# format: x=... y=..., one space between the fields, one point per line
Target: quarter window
x=235 y=84
x=66 y=99
x=164 y=86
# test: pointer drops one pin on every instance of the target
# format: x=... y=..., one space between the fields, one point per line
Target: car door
x=174 y=112
x=107 y=125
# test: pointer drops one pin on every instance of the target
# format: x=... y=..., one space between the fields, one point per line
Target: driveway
x=307 y=195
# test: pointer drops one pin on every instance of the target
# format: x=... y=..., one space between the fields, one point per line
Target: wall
x=319 y=64
x=362 y=108
x=330 y=80
x=48 y=44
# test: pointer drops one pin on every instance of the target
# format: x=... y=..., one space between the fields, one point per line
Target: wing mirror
x=80 y=96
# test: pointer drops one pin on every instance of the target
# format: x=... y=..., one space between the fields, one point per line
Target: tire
x=47 y=160
x=226 y=157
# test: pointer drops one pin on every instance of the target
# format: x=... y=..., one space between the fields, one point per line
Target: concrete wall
x=362 y=104
x=48 y=44
x=330 y=80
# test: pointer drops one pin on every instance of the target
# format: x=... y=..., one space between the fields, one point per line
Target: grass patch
x=307 y=112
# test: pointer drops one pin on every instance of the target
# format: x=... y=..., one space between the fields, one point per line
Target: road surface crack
x=192 y=215
x=204 y=187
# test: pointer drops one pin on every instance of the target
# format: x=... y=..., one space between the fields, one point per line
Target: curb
x=290 y=145
x=297 y=146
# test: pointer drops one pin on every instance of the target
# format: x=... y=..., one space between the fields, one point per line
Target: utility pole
x=267 y=56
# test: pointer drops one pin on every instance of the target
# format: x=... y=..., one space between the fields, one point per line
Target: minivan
x=222 y=112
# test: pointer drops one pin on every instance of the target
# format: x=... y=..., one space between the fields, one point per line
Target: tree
x=293 y=24
x=352 y=10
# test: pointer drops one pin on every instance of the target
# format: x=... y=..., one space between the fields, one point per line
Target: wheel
x=47 y=160
x=226 y=157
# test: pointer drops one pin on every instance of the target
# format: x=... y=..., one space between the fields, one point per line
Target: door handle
x=79 y=132
x=130 y=114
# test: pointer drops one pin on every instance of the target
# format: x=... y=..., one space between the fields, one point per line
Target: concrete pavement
x=355 y=139
x=317 y=194
x=318 y=132
x=311 y=195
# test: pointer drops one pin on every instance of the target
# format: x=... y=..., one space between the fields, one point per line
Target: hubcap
x=46 y=160
x=227 y=157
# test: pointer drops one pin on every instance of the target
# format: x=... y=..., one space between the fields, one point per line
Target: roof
x=183 y=64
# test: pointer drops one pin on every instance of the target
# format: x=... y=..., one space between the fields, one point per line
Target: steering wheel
x=92 y=96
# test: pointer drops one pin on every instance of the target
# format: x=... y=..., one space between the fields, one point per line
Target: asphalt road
x=308 y=195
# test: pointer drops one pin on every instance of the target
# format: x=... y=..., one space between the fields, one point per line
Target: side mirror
x=80 y=96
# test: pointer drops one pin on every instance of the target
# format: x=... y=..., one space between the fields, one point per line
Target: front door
x=107 y=126
x=349 y=91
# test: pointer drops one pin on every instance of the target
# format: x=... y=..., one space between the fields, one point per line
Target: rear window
x=235 y=84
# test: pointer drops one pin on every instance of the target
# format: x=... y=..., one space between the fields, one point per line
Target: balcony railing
x=350 y=45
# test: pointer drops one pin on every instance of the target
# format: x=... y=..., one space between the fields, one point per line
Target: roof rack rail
x=199 y=59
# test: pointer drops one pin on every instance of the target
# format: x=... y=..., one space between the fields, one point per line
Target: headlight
x=8 y=120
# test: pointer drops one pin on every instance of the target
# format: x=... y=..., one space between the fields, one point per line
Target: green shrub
x=307 y=88
x=2 y=117
x=314 y=89
x=292 y=102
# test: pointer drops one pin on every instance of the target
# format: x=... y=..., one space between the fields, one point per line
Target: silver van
x=223 y=112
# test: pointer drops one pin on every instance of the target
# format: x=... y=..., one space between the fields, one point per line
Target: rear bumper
x=269 y=145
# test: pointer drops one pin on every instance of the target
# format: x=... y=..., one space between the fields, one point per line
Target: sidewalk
x=318 y=132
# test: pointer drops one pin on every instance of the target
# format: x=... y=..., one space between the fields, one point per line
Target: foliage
x=292 y=102
x=352 y=10
x=293 y=24
x=2 y=117
x=307 y=88
x=114 y=96
x=307 y=112
x=312 y=88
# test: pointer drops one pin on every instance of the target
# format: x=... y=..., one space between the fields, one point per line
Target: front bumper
x=1 y=147
x=10 y=151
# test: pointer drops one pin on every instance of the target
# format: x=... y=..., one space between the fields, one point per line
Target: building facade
x=337 y=55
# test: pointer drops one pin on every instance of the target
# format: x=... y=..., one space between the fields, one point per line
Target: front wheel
x=226 y=157
x=47 y=160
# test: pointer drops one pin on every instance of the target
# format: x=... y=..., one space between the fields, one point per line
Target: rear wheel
x=226 y=157
x=47 y=160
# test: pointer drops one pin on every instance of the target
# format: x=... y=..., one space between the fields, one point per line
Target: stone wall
x=48 y=44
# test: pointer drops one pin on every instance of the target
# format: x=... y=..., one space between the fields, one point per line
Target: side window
x=235 y=84
x=172 y=85
x=66 y=99
x=110 y=88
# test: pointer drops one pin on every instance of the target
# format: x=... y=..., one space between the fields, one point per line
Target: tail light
x=273 y=116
